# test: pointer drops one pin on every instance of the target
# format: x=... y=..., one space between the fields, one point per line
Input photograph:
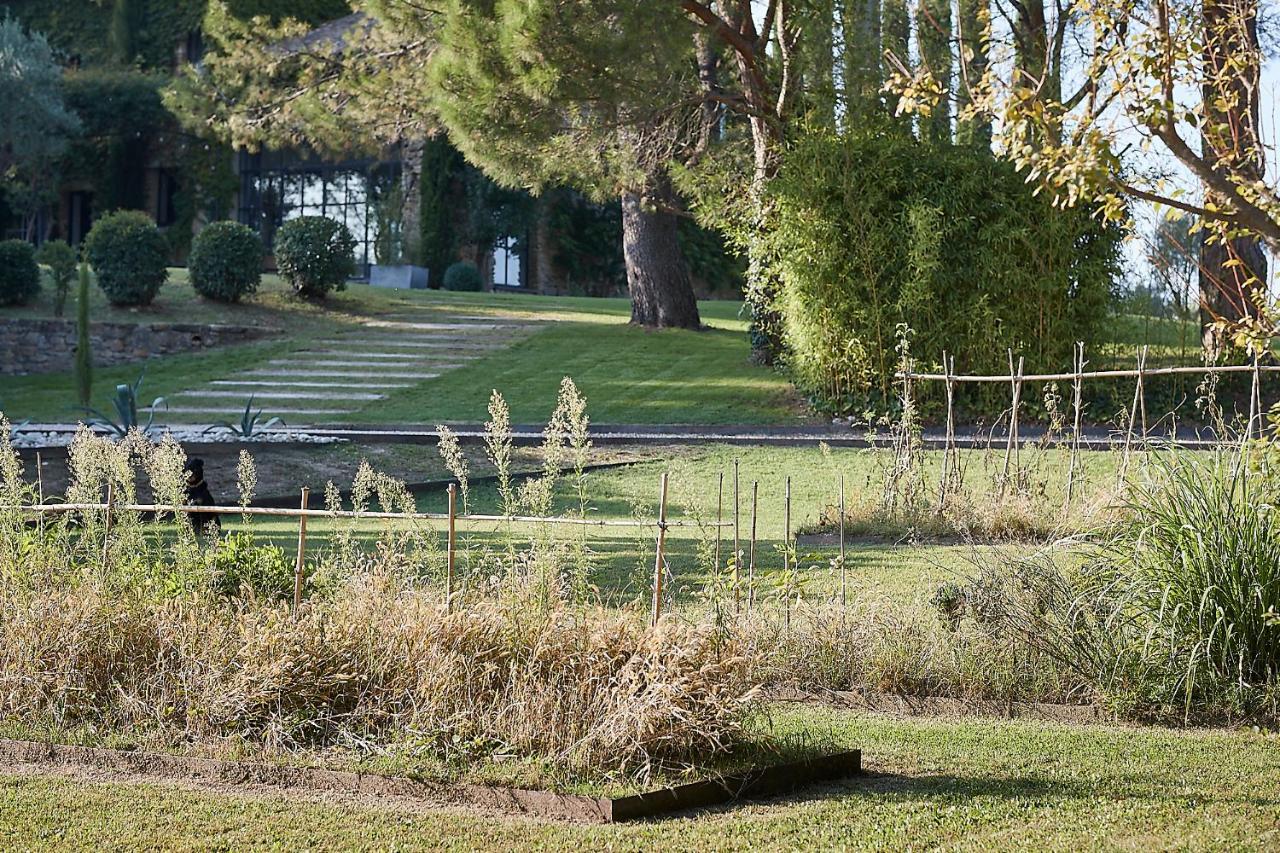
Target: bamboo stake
x=453 y=542
x=751 y=564
x=1133 y=415
x=844 y=598
x=106 y=524
x=737 y=544
x=1076 y=396
x=1098 y=374
x=1015 y=380
x=662 y=545
x=302 y=553
x=719 y=519
x=786 y=522
x=1142 y=392
x=1255 y=399
x=949 y=444
x=39 y=478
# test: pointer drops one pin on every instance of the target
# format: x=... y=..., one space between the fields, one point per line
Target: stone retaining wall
x=46 y=346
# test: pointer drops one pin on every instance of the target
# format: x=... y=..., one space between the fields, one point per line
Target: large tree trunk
x=657 y=274
x=1233 y=267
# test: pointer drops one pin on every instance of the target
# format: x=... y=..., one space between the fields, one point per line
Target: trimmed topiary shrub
x=129 y=255
x=315 y=255
x=463 y=276
x=225 y=263
x=60 y=258
x=19 y=274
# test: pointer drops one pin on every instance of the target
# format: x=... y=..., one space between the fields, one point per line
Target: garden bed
x=761 y=781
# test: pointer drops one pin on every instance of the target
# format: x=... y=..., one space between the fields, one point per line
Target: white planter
x=402 y=276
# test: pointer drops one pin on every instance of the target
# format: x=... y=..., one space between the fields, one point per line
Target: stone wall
x=45 y=346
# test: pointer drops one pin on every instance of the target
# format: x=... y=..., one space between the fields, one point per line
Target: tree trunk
x=1233 y=266
x=657 y=274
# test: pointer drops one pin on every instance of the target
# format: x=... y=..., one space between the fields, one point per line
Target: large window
x=276 y=187
x=507 y=262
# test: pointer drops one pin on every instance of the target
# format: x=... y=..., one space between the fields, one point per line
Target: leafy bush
x=226 y=261
x=130 y=257
x=240 y=564
x=315 y=255
x=60 y=258
x=878 y=229
x=19 y=273
x=463 y=276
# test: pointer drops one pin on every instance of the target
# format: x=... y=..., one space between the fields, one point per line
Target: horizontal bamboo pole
x=1097 y=374
x=285 y=512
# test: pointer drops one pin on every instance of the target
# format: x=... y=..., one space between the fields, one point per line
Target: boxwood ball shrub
x=19 y=273
x=463 y=276
x=129 y=255
x=226 y=261
x=315 y=255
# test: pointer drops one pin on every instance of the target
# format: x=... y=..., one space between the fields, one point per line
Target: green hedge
x=879 y=230
x=19 y=273
x=60 y=258
x=129 y=255
x=226 y=261
x=315 y=255
x=463 y=276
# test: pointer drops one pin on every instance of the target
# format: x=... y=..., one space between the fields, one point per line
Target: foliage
x=84 y=351
x=129 y=256
x=125 y=403
x=315 y=255
x=19 y=273
x=308 y=11
x=463 y=276
x=84 y=30
x=35 y=123
x=225 y=263
x=241 y=567
x=249 y=426
x=879 y=229
x=442 y=167
x=60 y=258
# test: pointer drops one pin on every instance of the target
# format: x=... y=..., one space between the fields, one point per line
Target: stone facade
x=46 y=346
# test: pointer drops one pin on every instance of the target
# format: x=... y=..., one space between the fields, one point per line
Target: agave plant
x=249 y=425
x=125 y=403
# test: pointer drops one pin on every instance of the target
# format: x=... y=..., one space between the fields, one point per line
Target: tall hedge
x=19 y=273
x=880 y=229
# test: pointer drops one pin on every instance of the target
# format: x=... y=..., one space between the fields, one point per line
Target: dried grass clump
x=587 y=691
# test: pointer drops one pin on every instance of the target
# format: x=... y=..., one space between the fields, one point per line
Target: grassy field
x=630 y=375
x=933 y=783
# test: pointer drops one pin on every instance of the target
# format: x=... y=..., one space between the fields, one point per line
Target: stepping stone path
x=341 y=374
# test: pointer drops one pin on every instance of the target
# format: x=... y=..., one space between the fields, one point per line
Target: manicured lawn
x=934 y=783
x=630 y=375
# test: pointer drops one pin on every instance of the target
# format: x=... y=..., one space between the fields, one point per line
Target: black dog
x=198 y=494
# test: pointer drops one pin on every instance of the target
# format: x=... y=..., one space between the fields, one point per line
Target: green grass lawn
x=629 y=375
x=933 y=783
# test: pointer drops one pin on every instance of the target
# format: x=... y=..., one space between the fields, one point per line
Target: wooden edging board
x=765 y=781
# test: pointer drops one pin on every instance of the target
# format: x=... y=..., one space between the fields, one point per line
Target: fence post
x=945 y=485
x=1077 y=392
x=719 y=520
x=786 y=526
x=1255 y=399
x=302 y=552
x=737 y=543
x=453 y=532
x=751 y=563
x=658 y=569
x=1142 y=392
x=1133 y=416
x=1015 y=379
x=843 y=588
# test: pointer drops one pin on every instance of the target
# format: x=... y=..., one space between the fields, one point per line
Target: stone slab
x=338 y=374
x=280 y=395
x=282 y=383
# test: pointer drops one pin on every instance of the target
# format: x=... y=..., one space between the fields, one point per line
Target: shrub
x=60 y=258
x=242 y=565
x=315 y=255
x=130 y=257
x=226 y=261
x=877 y=229
x=19 y=274
x=463 y=276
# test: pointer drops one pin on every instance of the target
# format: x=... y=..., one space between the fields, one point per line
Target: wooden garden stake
x=950 y=453
x=1142 y=392
x=843 y=589
x=302 y=552
x=662 y=546
x=453 y=539
x=1255 y=400
x=1015 y=379
x=751 y=562
x=786 y=525
x=39 y=478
